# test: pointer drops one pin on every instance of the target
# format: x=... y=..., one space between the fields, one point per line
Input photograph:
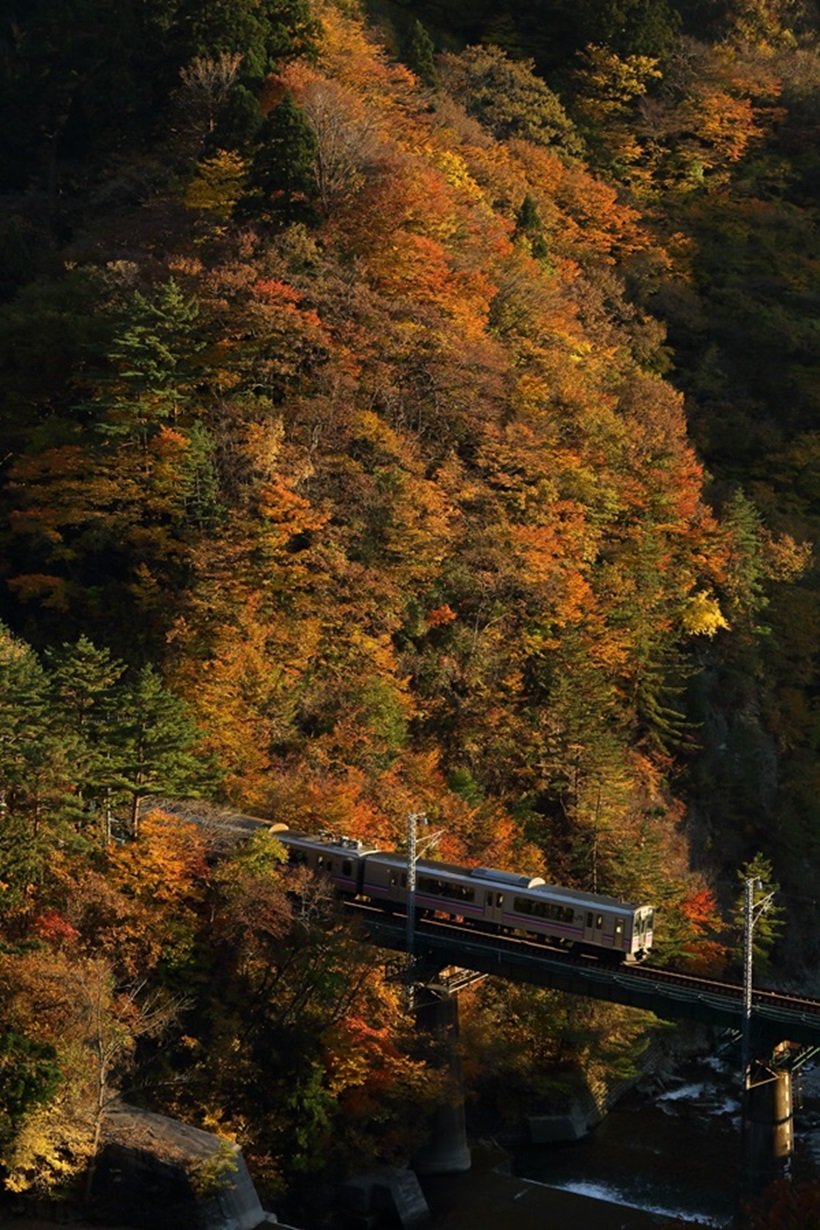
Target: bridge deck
x=711 y=1003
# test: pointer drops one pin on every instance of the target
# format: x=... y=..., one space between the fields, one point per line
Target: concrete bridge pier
x=768 y=1130
x=446 y=1152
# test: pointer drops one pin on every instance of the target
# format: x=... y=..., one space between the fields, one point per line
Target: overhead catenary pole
x=412 y=833
x=752 y=912
x=746 y=1035
x=414 y=819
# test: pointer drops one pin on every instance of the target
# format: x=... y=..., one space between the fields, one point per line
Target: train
x=502 y=902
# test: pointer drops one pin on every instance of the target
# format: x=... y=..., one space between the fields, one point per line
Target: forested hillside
x=411 y=410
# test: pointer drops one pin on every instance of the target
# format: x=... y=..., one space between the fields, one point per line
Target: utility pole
x=752 y=912
x=414 y=819
x=412 y=834
x=749 y=885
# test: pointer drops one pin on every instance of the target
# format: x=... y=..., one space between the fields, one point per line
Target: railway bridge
x=784 y=1033
x=777 y=1017
x=785 y=1028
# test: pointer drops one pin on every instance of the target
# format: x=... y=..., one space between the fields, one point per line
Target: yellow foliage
x=218 y=184
x=702 y=615
x=786 y=559
x=165 y=865
x=610 y=82
x=52 y=1146
x=456 y=173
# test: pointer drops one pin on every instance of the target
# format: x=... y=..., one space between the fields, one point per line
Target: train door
x=593 y=927
x=493 y=906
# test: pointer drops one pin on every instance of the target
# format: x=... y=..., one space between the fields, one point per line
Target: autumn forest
x=406 y=407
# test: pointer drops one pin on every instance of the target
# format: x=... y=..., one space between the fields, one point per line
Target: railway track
x=642 y=985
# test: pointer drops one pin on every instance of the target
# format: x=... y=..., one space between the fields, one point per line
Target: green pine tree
x=264 y=32
x=768 y=915
x=25 y=735
x=152 y=354
x=417 y=54
x=283 y=172
x=82 y=682
x=528 y=223
x=153 y=745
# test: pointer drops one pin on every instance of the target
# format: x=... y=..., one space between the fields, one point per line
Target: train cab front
x=642 y=935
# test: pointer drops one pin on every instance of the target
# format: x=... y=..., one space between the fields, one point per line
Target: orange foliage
x=165 y=865
x=703 y=953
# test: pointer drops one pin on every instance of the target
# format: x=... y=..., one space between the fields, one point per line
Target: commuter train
x=482 y=897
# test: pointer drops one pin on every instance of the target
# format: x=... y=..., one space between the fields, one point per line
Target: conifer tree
x=528 y=223
x=284 y=169
x=24 y=724
x=768 y=914
x=153 y=744
x=82 y=681
x=418 y=55
x=81 y=678
x=263 y=32
x=152 y=351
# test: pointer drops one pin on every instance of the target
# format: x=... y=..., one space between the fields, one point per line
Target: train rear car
x=341 y=859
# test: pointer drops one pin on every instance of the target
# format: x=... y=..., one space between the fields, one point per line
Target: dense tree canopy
x=420 y=420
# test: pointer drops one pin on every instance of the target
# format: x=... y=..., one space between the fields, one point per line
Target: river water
x=672 y=1152
x=675 y=1151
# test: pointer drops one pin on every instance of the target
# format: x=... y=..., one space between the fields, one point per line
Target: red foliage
x=54 y=929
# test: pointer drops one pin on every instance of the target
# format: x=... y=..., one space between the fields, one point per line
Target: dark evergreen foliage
x=283 y=171
x=418 y=54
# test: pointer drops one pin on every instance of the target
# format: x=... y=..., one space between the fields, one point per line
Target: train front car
x=642 y=933
x=611 y=929
x=341 y=859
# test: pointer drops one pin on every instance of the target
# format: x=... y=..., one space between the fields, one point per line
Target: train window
x=589 y=919
x=404 y=879
x=499 y=899
x=394 y=879
x=297 y=857
x=599 y=922
x=489 y=899
x=320 y=861
x=347 y=867
x=619 y=928
x=547 y=909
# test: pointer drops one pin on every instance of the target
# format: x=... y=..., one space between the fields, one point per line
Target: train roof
x=510 y=879
x=326 y=841
x=576 y=896
x=392 y=858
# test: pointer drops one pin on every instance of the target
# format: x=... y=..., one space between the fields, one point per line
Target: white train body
x=483 y=897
